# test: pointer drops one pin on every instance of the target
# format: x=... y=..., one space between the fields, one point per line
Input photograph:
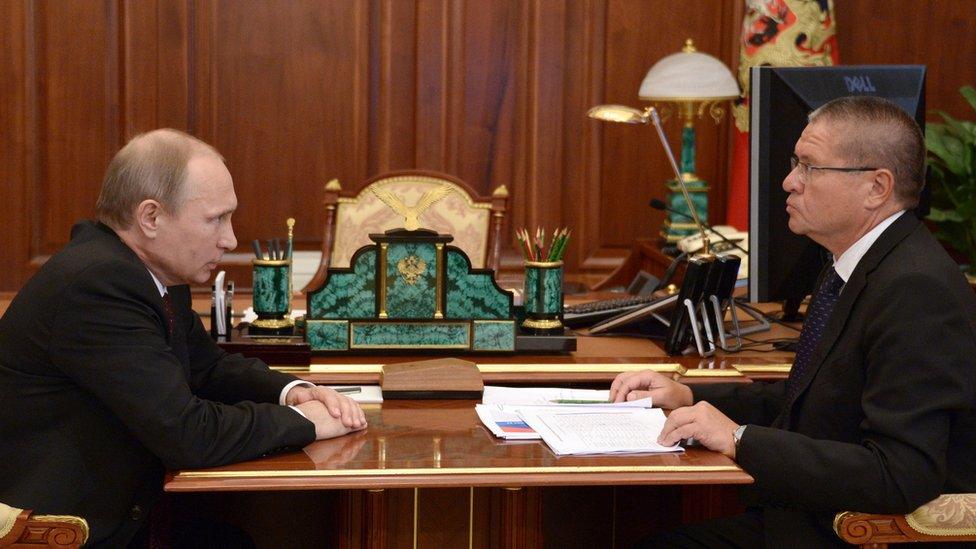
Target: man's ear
x=882 y=188
x=147 y=217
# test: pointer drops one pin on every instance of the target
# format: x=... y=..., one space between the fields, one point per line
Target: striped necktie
x=818 y=315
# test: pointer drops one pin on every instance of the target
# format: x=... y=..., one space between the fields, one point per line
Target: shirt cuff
x=284 y=392
x=301 y=413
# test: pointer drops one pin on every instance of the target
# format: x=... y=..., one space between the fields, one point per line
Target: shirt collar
x=159 y=285
x=847 y=262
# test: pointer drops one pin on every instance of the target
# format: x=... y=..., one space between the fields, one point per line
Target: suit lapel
x=182 y=303
x=849 y=294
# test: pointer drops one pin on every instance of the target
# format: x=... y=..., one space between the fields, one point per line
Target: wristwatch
x=737 y=436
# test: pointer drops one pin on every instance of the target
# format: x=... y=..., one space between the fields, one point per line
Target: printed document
x=552 y=395
x=574 y=431
x=504 y=423
x=501 y=408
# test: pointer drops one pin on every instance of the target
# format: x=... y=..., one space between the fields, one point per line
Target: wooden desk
x=434 y=461
x=597 y=360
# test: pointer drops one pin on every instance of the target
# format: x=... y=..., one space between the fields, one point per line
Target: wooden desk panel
x=427 y=473
x=440 y=444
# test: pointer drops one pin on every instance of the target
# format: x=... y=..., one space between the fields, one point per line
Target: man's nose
x=792 y=181
x=227 y=239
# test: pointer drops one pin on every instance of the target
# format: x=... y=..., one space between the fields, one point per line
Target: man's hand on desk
x=328 y=407
x=702 y=422
x=326 y=426
x=664 y=392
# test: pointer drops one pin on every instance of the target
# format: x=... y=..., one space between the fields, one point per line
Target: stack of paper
x=545 y=396
x=573 y=421
x=504 y=423
x=598 y=430
x=500 y=416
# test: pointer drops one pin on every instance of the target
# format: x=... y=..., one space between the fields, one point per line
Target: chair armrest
x=23 y=528
x=949 y=517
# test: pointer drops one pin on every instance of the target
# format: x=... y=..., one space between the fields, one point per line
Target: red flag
x=778 y=33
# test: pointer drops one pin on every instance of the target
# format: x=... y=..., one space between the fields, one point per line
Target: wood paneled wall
x=296 y=92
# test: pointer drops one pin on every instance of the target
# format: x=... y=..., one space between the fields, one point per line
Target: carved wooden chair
x=949 y=517
x=411 y=199
x=22 y=528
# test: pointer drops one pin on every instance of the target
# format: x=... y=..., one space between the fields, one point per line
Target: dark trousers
x=197 y=533
x=740 y=531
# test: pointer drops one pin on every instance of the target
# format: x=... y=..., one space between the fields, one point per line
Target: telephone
x=693 y=244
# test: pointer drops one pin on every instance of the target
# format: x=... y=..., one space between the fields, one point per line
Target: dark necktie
x=813 y=328
x=170 y=314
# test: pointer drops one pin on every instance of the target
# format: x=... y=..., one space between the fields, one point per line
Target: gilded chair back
x=411 y=199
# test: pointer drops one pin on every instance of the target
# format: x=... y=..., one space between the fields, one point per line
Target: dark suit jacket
x=97 y=398
x=885 y=419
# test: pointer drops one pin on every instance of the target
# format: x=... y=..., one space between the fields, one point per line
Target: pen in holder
x=543 y=296
x=272 y=297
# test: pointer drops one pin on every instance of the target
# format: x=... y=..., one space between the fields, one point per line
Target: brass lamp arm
x=651 y=113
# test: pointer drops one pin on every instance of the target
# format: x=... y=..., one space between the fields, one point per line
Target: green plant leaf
x=940 y=215
x=970 y=94
x=951 y=158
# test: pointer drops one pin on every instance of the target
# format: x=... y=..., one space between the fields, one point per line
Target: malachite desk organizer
x=272 y=297
x=543 y=296
x=410 y=290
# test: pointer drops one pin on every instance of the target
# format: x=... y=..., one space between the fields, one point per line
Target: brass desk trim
x=578 y=469
x=580 y=367
x=494 y=368
x=704 y=372
x=763 y=368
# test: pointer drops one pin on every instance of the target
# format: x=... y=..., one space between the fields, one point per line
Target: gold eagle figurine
x=411 y=214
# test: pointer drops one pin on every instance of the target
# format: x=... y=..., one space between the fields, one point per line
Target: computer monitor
x=783 y=266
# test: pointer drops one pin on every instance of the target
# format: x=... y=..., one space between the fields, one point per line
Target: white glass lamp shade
x=689 y=76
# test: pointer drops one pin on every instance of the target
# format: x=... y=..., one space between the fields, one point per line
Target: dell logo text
x=859 y=84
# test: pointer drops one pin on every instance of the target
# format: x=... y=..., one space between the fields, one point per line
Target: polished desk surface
x=438 y=444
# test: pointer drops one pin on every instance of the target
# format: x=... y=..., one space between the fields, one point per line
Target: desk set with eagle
x=412 y=290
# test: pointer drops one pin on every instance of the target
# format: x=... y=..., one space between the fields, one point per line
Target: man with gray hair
x=119 y=376
x=879 y=411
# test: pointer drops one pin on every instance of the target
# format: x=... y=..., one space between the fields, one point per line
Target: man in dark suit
x=107 y=375
x=879 y=411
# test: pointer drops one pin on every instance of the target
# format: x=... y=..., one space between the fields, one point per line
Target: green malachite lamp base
x=677 y=226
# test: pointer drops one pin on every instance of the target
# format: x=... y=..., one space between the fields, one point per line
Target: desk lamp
x=630 y=115
x=693 y=83
x=683 y=317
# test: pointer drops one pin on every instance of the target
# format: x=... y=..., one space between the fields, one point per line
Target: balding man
x=107 y=375
x=878 y=412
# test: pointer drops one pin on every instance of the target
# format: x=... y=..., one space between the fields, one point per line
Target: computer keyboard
x=585 y=314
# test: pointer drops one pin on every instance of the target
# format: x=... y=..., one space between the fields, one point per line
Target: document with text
x=575 y=431
x=499 y=410
x=547 y=396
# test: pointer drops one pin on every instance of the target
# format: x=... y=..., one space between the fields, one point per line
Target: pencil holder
x=543 y=296
x=272 y=296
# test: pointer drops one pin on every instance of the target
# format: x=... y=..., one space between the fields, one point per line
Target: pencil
x=563 y=243
x=290 y=222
